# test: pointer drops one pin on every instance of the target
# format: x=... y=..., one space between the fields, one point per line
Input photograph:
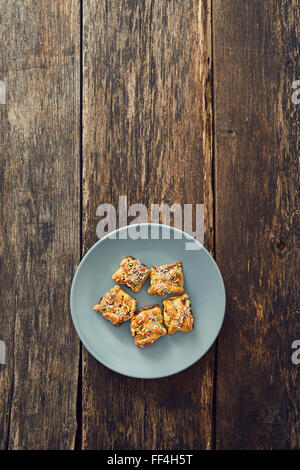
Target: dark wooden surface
x=144 y=78
x=256 y=59
x=40 y=240
x=161 y=101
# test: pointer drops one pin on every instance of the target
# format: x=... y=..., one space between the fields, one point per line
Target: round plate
x=115 y=347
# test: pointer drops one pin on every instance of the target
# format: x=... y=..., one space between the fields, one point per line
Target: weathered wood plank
x=146 y=75
x=256 y=59
x=39 y=240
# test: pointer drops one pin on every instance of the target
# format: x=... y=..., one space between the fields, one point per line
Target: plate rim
x=121 y=229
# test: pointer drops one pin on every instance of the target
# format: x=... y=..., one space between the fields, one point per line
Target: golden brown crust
x=178 y=314
x=149 y=307
x=116 y=306
x=147 y=325
x=166 y=279
x=132 y=273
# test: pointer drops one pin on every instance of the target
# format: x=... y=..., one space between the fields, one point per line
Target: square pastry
x=132 y=273
x=116 y=306
x=167 y=279
x=178 y=314
x=147 y=325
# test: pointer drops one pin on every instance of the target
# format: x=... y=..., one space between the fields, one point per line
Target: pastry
x=132 y=273
x=147 y=325
x=167 y=279
x=116 y=306
x=178 y=315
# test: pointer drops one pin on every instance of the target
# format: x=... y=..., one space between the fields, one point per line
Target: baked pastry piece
x=116 y=306
x=132 y=273
x=167 y=279
x=178 y=315
x=147 y=325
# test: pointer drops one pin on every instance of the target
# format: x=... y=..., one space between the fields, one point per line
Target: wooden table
x=183 y=101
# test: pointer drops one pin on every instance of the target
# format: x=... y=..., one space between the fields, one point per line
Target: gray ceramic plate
x=114 y=347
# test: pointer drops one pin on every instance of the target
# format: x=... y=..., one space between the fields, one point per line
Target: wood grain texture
x=39 y=241
x=146 y=74
x=256 y=59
